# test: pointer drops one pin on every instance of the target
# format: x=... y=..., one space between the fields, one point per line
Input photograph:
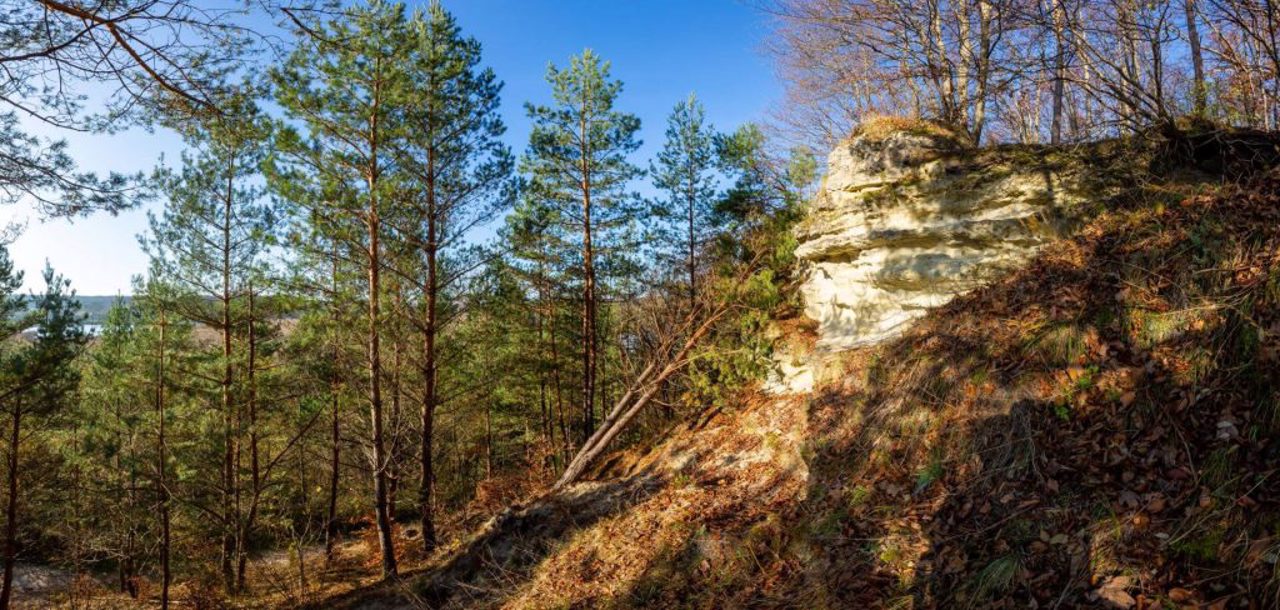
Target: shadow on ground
x=1098 y=430
x=509 y=544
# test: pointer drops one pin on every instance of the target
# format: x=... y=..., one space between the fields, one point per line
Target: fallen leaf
x=1113 y=592
x=1179 y=474
x=1156 y=504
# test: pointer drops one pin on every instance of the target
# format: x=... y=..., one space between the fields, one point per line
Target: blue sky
x=661 y=49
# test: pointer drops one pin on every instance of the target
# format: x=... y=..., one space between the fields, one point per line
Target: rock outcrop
x=907 y=221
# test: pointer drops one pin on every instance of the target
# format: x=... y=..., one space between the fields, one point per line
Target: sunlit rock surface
x=906 y=222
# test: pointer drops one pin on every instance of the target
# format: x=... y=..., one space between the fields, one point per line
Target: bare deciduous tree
x=1026 y=70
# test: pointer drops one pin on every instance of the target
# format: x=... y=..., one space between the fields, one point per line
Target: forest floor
x=275 y=577
x=714 y=488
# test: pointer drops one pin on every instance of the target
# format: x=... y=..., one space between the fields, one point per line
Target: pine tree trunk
x=230 y=518
x=634 y=399
x=11 y=511
x=335 y=448
x=488 y=440
x=165 y=543
x=304 y=496
x=690 y=262
x=395 y=451
x=588 y=294
x=429 y=376
x=386 y=544
x=556 y=385
x=125 y=568
x=544 y=402
x=255 y=469
x=544 y=407
x=385 y=541
x=558 y=390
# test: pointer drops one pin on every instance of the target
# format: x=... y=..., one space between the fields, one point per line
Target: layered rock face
x=908 y=221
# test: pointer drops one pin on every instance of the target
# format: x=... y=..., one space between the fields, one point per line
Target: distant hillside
x=96 y=307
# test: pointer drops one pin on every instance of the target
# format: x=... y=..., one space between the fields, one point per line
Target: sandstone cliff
x=906 y=221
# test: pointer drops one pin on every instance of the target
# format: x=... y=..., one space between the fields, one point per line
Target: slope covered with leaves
x=704 y=508
x=1098 y=429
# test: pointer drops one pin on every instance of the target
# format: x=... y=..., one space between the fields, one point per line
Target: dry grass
x=878 y=127
x=698 y=521
x=715 y=522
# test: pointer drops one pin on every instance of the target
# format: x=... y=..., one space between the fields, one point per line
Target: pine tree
x=125 y=55
x=346 y=83
x=115 y=517
x=208 y=242
x=154 y=356
x=765 y=188
x=461 y=179
x=12 y=322
x=685 y=171
x=538 y=259
x=577 y=162
x=36 y=379
x=323 y=275
x=147 y=425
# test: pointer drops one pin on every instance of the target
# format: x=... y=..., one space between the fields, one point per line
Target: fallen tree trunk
x=643 y=388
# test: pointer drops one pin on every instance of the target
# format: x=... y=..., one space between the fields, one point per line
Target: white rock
x=907 y=222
